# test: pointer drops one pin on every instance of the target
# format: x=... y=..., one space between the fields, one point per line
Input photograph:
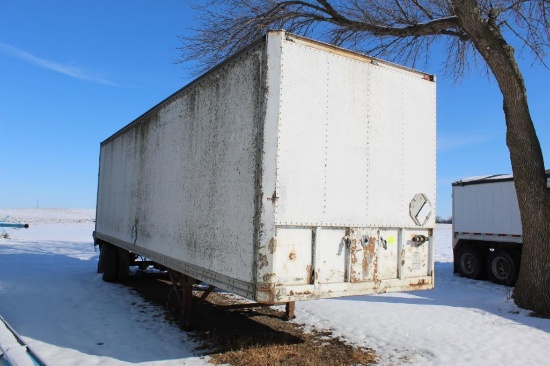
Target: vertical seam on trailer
x=402 y=214
x=434 y=164
x=367 y=142
x=279 y=133
x=325 y=158
x=259 y=147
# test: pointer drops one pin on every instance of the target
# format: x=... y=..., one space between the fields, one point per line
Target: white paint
x=486 y=208
x=356 y=140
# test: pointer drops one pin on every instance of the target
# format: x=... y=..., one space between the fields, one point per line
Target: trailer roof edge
x=489 y=179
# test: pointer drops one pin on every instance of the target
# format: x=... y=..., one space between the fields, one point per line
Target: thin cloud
x=446 y=143
x=54 y=66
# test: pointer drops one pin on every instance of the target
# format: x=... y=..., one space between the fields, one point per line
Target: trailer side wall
x=180 y=181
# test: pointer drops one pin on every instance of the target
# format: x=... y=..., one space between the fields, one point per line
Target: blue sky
x=74 y=72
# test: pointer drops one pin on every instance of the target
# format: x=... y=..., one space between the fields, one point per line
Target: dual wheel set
x=113 y=262
x=500 y=266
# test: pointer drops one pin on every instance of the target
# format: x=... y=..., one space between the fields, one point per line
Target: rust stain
x=375 y=259
x=263 y=261
x=268 y=277
x=353 y=256
x=353 y=243
x=273 y=198
x=369 y=258
x=292 y=293
x=272 y=246
x=309 y=274
x=365 y=264
x=292 y=255
x=353 y=259
x=356 y=247
x=420 y=284
x=266 y=292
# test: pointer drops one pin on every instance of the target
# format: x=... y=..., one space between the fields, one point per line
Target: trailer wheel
x=470 y=263
x=110 y=262
x=503 y=267
x=123 y=264
x=100 y=261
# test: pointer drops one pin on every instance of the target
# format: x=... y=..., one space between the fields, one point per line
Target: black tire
x=503 y=267
x=123 y=264
x=470 y=263
x=110 y=262
x=100 y=261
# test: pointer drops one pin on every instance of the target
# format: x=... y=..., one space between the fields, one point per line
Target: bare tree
x=472 y=32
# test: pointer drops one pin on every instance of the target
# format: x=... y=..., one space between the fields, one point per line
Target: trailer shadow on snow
x=452 y=290
x=53 y=299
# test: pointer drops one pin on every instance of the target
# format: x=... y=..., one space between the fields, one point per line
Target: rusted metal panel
x=292 y=256
x=332 y=255
x=416 y=258
x=350 y=261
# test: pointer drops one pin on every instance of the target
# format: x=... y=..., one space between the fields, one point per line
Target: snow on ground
x=51 y=294
x=53 y=297
x=48 y=215
x=460 y=322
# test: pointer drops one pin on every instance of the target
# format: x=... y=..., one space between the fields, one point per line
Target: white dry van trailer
x=294 y=170
x=487 y=234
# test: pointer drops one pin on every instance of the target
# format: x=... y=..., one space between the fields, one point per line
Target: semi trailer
x=487 y=232
x=294 y=170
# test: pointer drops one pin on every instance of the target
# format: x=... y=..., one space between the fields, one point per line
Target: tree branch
x=393 y=29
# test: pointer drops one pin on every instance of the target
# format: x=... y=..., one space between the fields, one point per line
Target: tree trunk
x=533 y=285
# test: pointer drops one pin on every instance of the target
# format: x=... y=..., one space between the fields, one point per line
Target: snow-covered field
x=51 y=294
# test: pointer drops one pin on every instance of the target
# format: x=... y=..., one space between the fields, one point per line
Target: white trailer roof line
x=488 y=179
